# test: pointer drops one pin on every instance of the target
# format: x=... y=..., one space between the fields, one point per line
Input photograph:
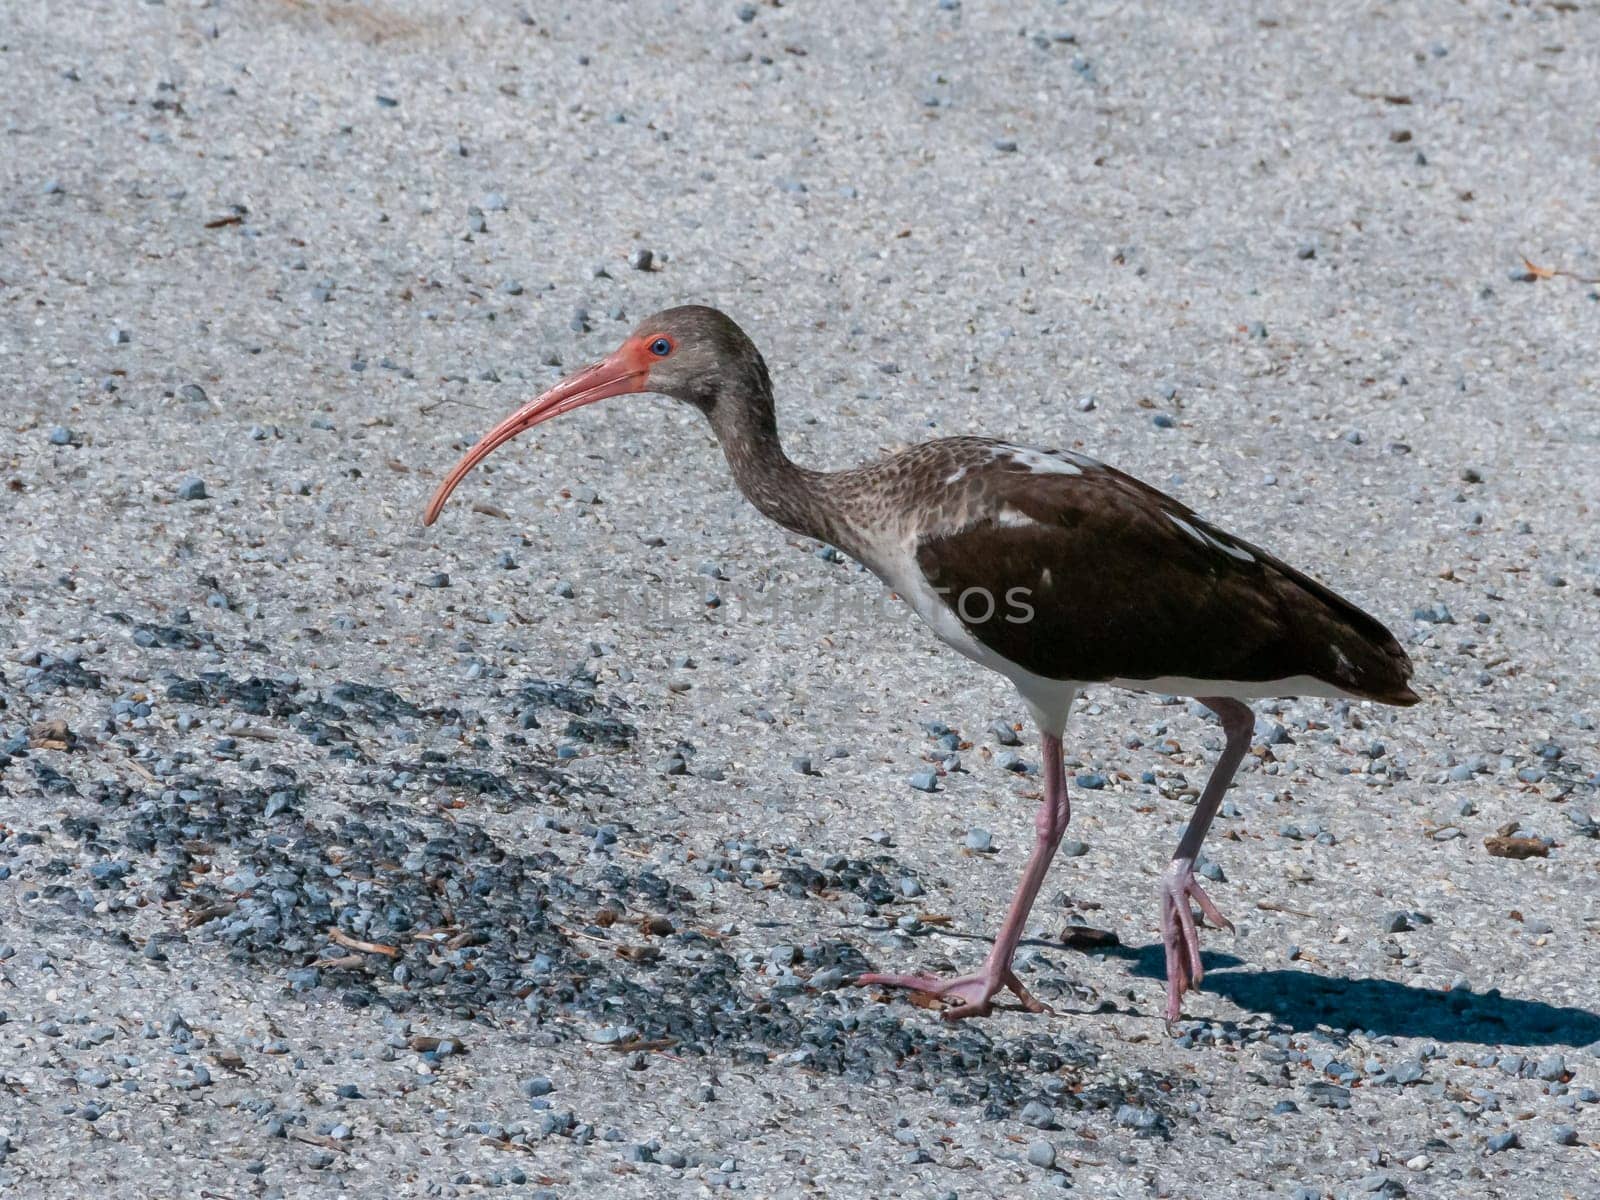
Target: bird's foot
x=1178 y=933
x=974 y=994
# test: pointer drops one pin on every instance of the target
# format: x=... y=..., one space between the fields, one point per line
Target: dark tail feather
x=1363 y=657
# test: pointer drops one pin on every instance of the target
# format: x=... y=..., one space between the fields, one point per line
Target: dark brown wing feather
x=1120 y=590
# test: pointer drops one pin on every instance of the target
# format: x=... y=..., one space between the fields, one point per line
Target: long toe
x=973 y=994
x=933 y=985
x=1180 y=937
x=1211 y=911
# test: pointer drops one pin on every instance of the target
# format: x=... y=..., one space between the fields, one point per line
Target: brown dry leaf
x=1551 y=272
x=345 y=962
x=1274 y=906
x=350 y=943
x=1516 y=847
x=319 y=1139
x=208 y=912
x=50 y=735
x=1086 y=937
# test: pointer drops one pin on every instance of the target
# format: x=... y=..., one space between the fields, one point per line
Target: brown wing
x=1124 y=582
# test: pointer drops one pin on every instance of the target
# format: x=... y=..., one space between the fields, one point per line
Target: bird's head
x=690 y=353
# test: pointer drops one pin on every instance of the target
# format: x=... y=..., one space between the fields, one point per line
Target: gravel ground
x=534 y=853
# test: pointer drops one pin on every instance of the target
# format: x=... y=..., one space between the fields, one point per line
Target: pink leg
x=976 y=992
x=1178 y=934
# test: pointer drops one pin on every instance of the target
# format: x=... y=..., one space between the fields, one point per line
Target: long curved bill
x=618 y=374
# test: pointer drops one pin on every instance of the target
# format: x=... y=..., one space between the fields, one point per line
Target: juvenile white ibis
x=1045 y=565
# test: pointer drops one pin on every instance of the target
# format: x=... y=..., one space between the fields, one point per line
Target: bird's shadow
x=1303 y=1001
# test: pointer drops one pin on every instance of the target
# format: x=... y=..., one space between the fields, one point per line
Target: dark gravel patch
x=379 y=906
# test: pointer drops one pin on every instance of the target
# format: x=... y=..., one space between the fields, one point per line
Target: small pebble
x=1395 y=922
x=1551 y=1067
x=1040 y=1116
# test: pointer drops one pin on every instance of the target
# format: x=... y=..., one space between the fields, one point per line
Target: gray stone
x=1550 y=1067
x=1038 y=1115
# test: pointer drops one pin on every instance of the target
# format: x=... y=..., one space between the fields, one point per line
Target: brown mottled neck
x=742 y=417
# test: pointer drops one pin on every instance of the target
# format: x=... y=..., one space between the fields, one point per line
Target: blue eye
x=661 y=347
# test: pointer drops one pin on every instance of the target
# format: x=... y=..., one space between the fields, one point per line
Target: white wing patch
x=1045 y=462
x=1013 y=518
x=1210 y=541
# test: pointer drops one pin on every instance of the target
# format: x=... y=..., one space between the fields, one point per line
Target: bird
x=1045 y=565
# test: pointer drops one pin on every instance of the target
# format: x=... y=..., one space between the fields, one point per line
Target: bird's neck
x=785 y=492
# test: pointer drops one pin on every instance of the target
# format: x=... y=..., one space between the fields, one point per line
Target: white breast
x=896 y=564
